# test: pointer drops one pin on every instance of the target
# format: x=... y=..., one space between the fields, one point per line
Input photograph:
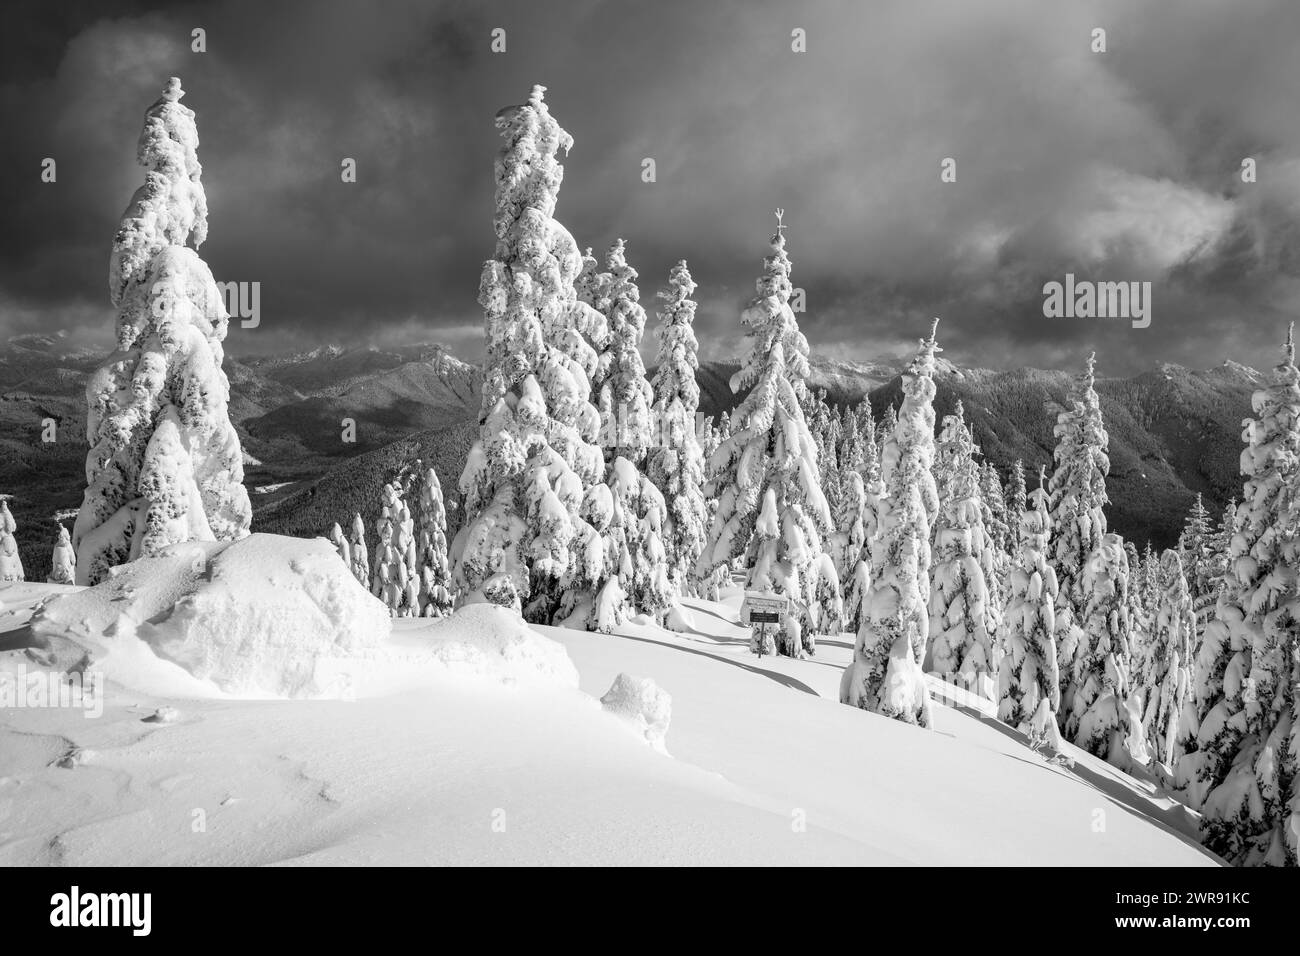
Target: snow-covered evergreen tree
x=1196 y=551
x=1141 y=612
x=996 y=519
x=63 y=562
x=642 y=508
x=771 y=507
x=1242 y=769
x=954 y=453
x=396 y=582
x=653 y=591
x=852 y=455
x=11 y=564
x=885 y=674
x=708 y=586
x=1166 y=678
x=708 y=437
x=431 y=566
x=623 y=396
x=996 y=559
x=360 y=552
x=1151 y=586
x=824 y=427
x=887 y=425
x=165 y=464
x=1077 y=493
x=870 y=446
x=1028 y=687
x=1100 y=720
x=341 y=544
x=526 y=477
x=847 y=543
x=1222 y=547
x=676 y=464
x=856 y=576
x=961 y=648
x=965 y=593
x=597 y=598
x=1016 y=498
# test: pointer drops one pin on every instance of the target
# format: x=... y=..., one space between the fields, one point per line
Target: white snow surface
x=465 y=741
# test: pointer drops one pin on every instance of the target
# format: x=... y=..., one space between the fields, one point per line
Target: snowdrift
x=256 y=618
x=485 y=640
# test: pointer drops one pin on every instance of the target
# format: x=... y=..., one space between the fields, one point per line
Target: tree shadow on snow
x=783 y=679
x=1116 y=790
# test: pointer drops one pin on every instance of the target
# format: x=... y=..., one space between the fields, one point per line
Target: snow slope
x=465 y=742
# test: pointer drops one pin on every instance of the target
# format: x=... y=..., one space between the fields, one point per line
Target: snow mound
x=486 y=640
x=682 y=619
x=643 y=703
x=254 y=617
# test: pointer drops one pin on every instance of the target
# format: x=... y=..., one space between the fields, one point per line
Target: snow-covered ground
x=466 y=741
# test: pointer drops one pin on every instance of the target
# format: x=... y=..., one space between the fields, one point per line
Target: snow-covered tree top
x=678 y=348
x=533 y=119
x=923 y=361
x=771 y=322
x=1082 y=442
x=170 y=209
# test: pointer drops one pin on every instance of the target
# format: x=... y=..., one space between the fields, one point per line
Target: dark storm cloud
x=1121 y=165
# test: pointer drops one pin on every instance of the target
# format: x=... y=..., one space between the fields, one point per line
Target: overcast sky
x=1123 y=165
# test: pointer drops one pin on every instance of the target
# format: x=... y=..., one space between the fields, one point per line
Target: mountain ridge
x=1174 y=431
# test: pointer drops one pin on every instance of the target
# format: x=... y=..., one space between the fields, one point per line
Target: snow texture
x=255 y=617
x=644 y=704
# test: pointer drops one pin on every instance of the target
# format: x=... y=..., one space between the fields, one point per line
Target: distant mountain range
x=1173 y=432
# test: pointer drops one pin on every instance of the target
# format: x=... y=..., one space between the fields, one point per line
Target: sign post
x=760 y=609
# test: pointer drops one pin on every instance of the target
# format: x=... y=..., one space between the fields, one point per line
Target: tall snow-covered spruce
x=360 y=551
x=1028 y=687
x=1166 y=679
x=885 y=674
x=1077 y=493
x=963 y=620
x=676 y=464
x=396 y=581
x=430 y=541
x=771 y=508
x=165 y=465
x=1240 y=768
x=1099 y=718
x=535 y=458
x=623 y=396
x=1196 y=552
